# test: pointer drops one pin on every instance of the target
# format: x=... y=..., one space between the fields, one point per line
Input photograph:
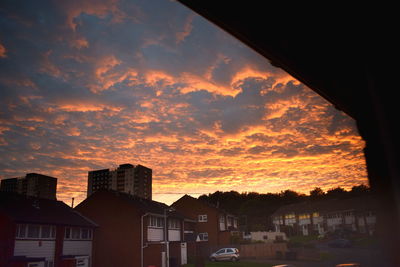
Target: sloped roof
x=330 y=205
x=208 y=204
x=23 y=209
x=144 y=205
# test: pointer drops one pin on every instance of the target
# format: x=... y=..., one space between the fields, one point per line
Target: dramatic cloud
x=94 y=84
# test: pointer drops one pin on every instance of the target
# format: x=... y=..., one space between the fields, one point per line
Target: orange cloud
x=100 y=8
x=187 y=28
x=2 y=51
x=105 y=75
x=47 y=66
x=80 y=43
x=86 y=107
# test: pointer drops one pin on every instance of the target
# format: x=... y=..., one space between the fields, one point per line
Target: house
x=320 y=217
x=43 y=233
x=214 y=225
x=134 y=231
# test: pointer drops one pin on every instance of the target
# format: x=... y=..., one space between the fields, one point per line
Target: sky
x=88 y=85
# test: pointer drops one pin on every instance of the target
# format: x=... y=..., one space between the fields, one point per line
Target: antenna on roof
x=72 y=204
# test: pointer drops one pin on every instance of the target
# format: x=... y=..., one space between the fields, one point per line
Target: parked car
x=340 y=243
x=225 y=254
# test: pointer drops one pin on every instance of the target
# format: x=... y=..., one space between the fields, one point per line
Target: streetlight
x=169 y=209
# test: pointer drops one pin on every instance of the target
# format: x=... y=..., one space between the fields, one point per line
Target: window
x=78 y=233
x=75 y=233
x=203 y=236
x=304 y=216
x=21 y=230
x=290 y=216
x=33 y=231
x=85 y=233
x=67 y=233
x=53 y=232
x=81 y=262
x=173 y=224
x=229 y=250
x=156 y=222
x=220 y=251
x=203 y=218
x=46 y=231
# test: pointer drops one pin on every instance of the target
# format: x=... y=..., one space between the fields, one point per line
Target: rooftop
x=24 y=209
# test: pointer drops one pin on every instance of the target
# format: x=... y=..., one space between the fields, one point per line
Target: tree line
x=255 y=209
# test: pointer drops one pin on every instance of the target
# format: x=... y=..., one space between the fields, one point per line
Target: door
x=183 y=253
x=229 y=253
x=220 y=254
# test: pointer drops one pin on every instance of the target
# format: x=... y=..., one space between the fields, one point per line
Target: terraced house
x=320 y=217
x=213 y=225
x=135 y=231
x=38 y=232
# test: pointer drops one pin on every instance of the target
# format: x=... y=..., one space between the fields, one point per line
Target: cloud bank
x=96 y=84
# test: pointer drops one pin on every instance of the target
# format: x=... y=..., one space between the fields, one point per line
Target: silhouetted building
x=9 y=185
x=214 y=226
x=43 y=233
x=33 y=184
x=127 y=178
x=134 y=231
x=100 y=179
x=327 y=216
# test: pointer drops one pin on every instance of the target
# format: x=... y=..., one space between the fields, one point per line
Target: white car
x=225 y=254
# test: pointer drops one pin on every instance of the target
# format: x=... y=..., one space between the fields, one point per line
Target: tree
x=317 y=193
x=289 y=196
x=359 y=190
x=337 y=192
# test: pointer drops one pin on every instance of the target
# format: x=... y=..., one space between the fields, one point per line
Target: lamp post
x=170 y=209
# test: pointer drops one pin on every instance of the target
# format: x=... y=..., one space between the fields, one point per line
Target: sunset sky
x=87 y=85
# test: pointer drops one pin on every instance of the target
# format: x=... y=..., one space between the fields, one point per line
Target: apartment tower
x=127 y=178
x=33 y=184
